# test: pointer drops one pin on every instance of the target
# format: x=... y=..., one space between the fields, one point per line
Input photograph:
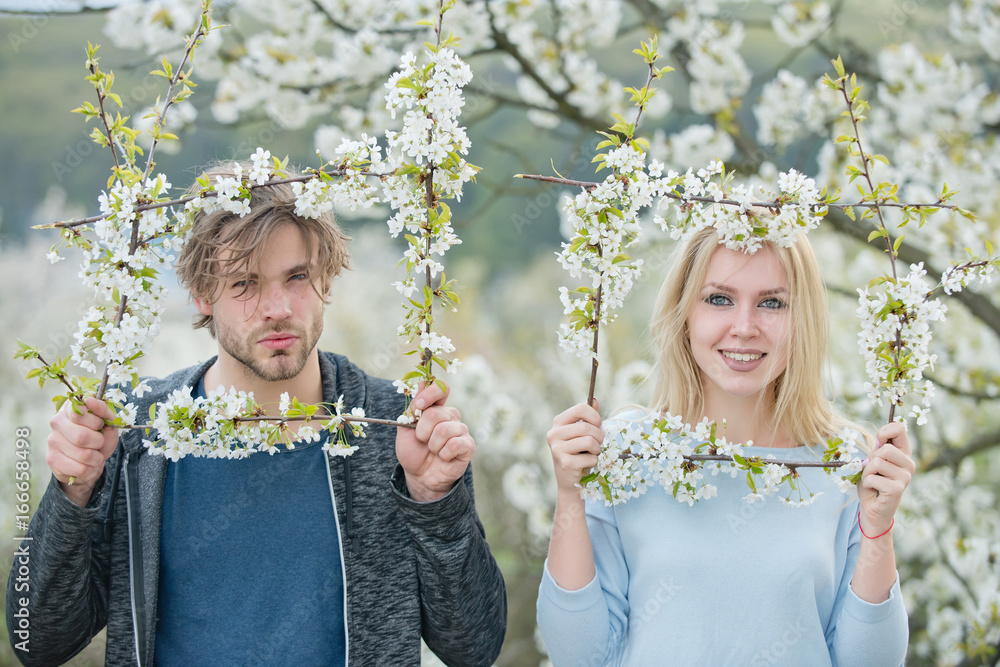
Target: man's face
x=269 y=319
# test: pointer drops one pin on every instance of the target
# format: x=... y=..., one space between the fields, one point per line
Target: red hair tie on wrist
x=873 y=537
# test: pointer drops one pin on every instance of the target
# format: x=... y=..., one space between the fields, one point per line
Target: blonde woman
x=739 y=338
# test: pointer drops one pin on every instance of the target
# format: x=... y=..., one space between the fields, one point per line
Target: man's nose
x=275 y=302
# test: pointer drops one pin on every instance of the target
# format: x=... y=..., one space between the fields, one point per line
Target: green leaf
x=838 y=65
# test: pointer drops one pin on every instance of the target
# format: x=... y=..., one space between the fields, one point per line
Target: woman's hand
x=885 y=477
x=575 y=440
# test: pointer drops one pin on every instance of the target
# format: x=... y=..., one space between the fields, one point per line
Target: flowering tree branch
x=138 y=225
x=206 y=193
x=768 y=204
x=604 y=219
x=895 y=330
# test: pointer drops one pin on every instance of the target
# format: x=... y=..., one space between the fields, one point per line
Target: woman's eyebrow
x=729 y=290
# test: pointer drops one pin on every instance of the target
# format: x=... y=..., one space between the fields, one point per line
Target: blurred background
x=297 y=76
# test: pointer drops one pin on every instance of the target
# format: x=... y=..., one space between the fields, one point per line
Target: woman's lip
x=278 y=342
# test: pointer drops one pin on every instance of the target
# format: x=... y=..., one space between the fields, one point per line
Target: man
x=296 y=558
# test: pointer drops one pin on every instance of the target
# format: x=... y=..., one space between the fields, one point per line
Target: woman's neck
x=747 y=419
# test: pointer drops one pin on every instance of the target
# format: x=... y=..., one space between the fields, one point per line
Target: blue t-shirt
x=250 y=562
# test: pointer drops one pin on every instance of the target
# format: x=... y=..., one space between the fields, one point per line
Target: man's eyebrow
x=236 y=273
x=298 y=268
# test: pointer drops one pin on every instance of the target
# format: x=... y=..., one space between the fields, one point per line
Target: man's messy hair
x=222 y=245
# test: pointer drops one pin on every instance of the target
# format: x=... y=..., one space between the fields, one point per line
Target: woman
x=739 y=338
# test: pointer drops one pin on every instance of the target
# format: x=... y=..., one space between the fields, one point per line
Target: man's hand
x=435 y=454
x=78 y=447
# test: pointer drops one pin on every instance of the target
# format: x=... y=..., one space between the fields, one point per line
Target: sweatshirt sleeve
x=463 y=598
x=62 y=574
x=587 y=626
x=863 y=632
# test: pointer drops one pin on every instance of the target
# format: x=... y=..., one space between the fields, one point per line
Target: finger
x=880 y=469
x=429 y=395
x=444 y=432
x=100 y=408
x=83 y=465
x=68 y=434
x=576 y=463
x=80 y=416
x=894 y=433
x=892 y=455
x=571 y=447
x=460 y=448
x=885 y=486
x=579 y=412
x=432 y=417
x=89 y=458
x=110 y=443
x=575 y=430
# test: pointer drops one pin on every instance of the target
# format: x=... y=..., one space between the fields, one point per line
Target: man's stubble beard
x=242 y=351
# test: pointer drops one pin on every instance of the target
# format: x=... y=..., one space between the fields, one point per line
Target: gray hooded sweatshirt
x=412 y=569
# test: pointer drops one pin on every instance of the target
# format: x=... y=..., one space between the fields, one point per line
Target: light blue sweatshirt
x=724 y=583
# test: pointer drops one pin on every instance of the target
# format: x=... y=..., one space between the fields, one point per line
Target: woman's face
x=739 y=325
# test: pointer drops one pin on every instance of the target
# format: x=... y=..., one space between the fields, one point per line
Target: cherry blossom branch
x=97 y=78
x=339 y=171
x=791 y=465
x=161 y=116
x=979 y=305
x=283 y=420
x=62 y=377
x=773 y=204
x=597 y=331
x=855 y=105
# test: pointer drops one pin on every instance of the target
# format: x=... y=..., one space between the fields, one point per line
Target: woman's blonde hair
x=801 y=407
x=222 y=243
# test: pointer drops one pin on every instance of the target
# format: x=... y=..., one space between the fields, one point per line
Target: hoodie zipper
x=343 y=563
x=137 y=591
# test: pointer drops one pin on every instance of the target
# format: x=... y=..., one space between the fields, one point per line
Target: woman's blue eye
x=718 y=300
x=772 y=302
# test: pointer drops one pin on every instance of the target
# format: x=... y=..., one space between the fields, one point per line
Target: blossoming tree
x=934 y=107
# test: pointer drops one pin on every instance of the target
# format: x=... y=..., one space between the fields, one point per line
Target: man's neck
x=307 y=386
